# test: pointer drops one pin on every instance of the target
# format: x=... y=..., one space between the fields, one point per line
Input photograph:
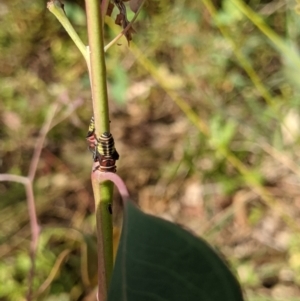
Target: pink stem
x=13 y=178
x=98 y=176
x=34 y=226
x=35 y=231
x=110 y=176
x=40 y=142
x=27 y=182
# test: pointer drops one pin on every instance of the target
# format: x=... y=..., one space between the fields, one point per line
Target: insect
x=106 y=153
x=103 y=149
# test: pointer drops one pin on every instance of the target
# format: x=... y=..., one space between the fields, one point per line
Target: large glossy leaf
x=160 y=261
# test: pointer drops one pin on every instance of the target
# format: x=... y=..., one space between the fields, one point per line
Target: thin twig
x=35 y=229
x=28 y=183
x=13 y=178
x=72 y=106
x=40 y=142
x=56 y=8
x=59 y=261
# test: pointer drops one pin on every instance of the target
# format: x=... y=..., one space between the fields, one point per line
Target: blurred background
x=204 y=109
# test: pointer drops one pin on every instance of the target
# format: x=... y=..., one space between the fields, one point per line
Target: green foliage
x=229 y=15
x=159 y=260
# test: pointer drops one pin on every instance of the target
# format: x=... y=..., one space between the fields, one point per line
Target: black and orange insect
x=103 y=149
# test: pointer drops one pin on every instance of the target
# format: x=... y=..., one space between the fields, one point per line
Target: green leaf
x=222 y=132
x=229 y=14
x=160 y=261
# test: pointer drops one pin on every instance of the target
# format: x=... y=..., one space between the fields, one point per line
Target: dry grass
x=204 y=140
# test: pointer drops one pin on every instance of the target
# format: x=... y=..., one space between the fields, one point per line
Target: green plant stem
x=98 y=69
x=94 y=57
x=103 y=195
x=102 y=192
x=55 y=7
